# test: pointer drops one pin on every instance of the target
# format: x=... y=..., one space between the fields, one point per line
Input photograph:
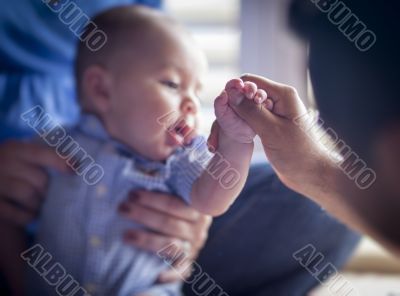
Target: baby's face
x=163 y=83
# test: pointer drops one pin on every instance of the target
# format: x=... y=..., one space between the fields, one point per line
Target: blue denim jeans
x=250 y=248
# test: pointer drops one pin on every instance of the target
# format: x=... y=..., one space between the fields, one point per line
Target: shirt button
x=95 y=241
x=101 y=190
x=90 y=288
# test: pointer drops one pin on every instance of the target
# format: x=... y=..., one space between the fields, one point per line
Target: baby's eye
x=170 y=84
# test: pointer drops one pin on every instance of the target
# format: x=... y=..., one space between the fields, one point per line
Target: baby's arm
x=219 y=185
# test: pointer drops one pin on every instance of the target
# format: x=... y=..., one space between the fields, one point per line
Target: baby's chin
x=163 y=147
x=162 y=153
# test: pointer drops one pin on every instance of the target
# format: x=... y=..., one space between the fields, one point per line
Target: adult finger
x=200 y=232
x=38 y=154
x=212 y=140
x=164 y=203
x=273 y=88
x=20 y=192
x=170 y=275
x=158 y=221
x=14 y=214
x=151 y=241
x=31 y=174
x=287 y=102
x=181 y=271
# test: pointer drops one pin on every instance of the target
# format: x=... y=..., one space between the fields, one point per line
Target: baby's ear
x=96 y=85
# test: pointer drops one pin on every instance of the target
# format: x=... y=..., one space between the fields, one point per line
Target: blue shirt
x=36 y=61
x=80 y=225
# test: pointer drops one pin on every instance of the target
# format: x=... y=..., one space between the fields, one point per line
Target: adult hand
x=168 y=220
x=297 y=156
x=292 y=152
x=23 y=179
x=287 y=147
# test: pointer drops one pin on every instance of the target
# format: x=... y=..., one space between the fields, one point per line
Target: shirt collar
x=92 y=127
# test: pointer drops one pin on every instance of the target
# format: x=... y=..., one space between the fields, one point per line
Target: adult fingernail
x=133 y=196
x=211 y=148
x=123 y=207
x=131 y=236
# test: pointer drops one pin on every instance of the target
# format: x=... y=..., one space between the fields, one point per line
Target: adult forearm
x=328 y=186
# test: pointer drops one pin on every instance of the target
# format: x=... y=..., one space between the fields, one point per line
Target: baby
x=139 y=95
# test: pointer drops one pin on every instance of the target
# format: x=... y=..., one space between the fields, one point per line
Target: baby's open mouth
x=182 y=131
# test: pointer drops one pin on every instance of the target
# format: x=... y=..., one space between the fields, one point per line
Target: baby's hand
x=230 y=123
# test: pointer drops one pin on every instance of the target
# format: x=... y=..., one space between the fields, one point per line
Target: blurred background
x=237 y=39
x=225 y=31
x=240 y=36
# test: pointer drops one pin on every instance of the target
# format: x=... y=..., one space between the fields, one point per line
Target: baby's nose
x=188 y=106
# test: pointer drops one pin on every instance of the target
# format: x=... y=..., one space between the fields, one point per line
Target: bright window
x=215 y=26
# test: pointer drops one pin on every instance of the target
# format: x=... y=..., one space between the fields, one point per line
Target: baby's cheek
x=160 y=108
x=152 y=123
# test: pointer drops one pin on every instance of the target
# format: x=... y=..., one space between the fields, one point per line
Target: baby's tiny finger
x=260 y=96
x=236 y=84
x=221 y=101
x=269 y=104
x=250 y=89
x=221 y=104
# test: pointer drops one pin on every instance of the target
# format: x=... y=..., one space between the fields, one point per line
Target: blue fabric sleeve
x=187 y=166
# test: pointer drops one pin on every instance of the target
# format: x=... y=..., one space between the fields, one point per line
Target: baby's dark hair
x=128 y=25
x=356 y=91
